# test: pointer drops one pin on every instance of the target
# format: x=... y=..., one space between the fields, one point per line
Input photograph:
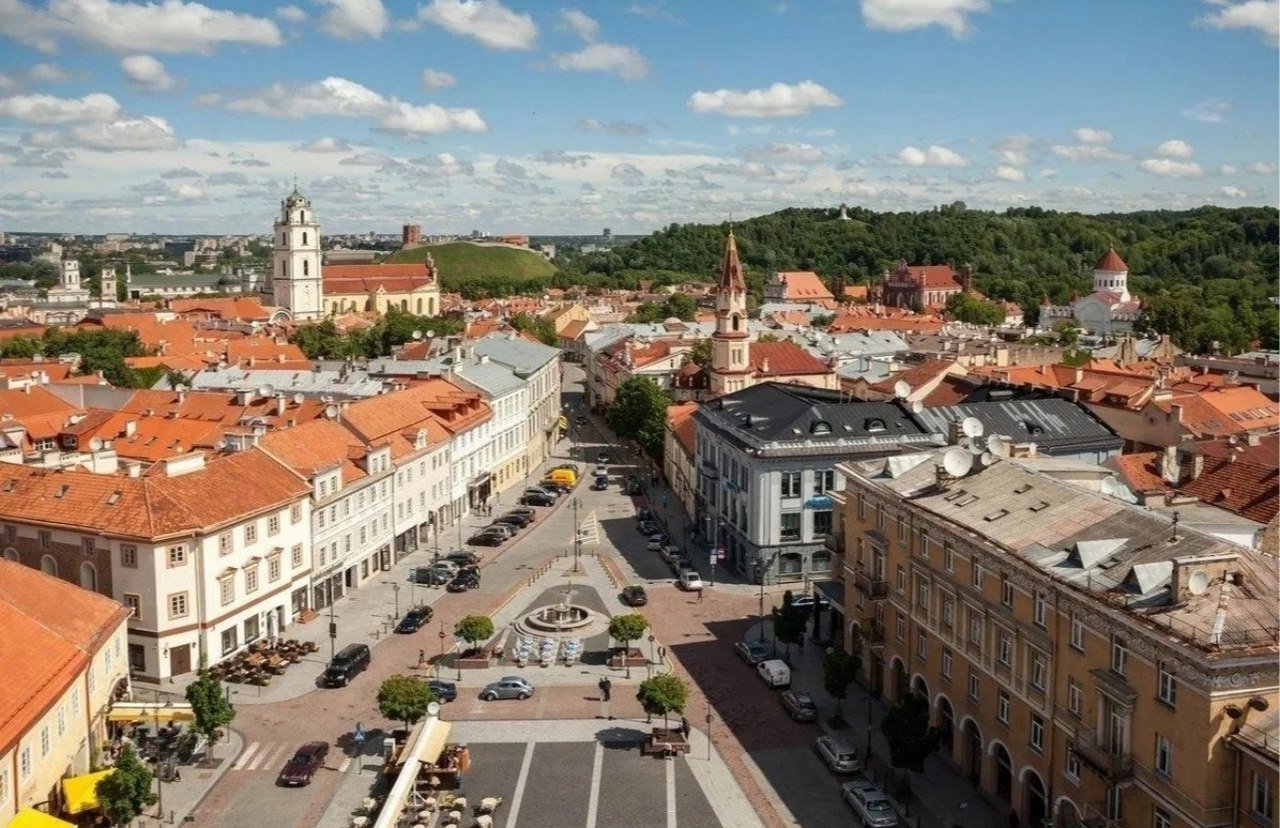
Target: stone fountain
x=562 y=620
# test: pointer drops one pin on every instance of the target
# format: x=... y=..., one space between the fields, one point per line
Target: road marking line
x=346 y=763
x=593 y=802
x=671 y=793
x=275 y=757
x=520 y=783
x=244 y=757
x=262 y=754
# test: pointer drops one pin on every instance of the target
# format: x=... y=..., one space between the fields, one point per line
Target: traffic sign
x=441 y=633
x=720 y=553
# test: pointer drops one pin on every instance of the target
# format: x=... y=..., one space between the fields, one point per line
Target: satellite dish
x=901 y=389
x=95 y=444
x=998 y=444
x=433 y=708
x=266 y=390
x=1198 y=582
x=957 y=462
x=431 y=334
x=971 y=427
x=916 y=406
x=180 y=387
x=417 y=334
x=987 y=459
x=331 y=411
x=299 y=398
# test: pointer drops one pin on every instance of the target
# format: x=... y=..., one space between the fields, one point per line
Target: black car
x=537 y=499
x=634 y=596
x=303 y=765
x=463 y=558
x=429 y=575
x=644 y=513
x=602 y=457
x=600 y=484
x=486 y=539
x=465 y=580
x=514 y=519
x=445 y=691
x=580 y=420
x=414 y=619
x=646 y=527
x=554 y=486
x=350 y=660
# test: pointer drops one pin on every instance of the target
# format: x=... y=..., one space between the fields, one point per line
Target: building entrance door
x=180 y=660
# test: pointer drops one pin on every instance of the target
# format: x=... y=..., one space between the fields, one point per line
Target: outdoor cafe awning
x=425 y=745
x=434 y=742
x=149 y=712
x=81 y=792
x=31 y=818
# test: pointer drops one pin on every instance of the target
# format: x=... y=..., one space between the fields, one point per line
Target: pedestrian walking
x=699 y=596
x=684 y=726
x=606 y=689
x=422 y=659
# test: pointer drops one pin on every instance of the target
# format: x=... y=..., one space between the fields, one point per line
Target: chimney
x=130 y=428
x=183 y=464
x=1216 y=569
x=244 y=397
x=133 y=468
x=282 y=402
x=764 y=365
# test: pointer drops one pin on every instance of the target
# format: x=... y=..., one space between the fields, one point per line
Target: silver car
x=870 y=804
x=507 y=687
x=840 y=757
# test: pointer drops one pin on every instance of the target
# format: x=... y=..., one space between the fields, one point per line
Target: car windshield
x=878 y=806
x=803 y=700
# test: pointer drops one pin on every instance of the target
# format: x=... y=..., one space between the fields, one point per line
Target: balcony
x=1095 y=753
x=834 y=543
x=874 y=635
x=868 y=584
x=1093 y=816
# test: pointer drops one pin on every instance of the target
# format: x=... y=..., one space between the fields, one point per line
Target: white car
x=870 y=804
x=840 y=757
x=691 y=581
x=656 y=543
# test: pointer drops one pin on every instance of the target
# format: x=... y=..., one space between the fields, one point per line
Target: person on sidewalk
x=699 y=596
x=422 y=659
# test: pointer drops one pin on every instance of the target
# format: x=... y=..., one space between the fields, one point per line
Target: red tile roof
x=1111 y=262
x=731 y=270
x=319 y=444
x=803 y=286
x=1141 y=472
x=1248 y=489
x=680 y=421
x=784 y=359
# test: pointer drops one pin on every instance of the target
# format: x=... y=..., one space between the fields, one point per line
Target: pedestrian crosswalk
x=271 y=756
x=589 y=529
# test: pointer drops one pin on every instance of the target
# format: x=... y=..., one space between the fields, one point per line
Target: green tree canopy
x=474 y=628
x=404 y=699
x=789 y=622
x=628 y=627
x=911 y=739
x=123 y=793
x=700 y=353
x=967 y=308
x=639 y=412
x=663 y=694
x=209 y=704
x=539 y=326
x=838 y=670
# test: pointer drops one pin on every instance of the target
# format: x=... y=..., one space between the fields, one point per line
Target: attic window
x=1039 y=507
x=996 y=515
x=62 y=490
x=10 y=485
x=820 y=427
x=113 y=498
x=1033 y=428
x=1023 y=489
x=969 y=500
x=956 y=495
x=874 y=425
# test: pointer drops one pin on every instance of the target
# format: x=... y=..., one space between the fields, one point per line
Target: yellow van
x=565 y=476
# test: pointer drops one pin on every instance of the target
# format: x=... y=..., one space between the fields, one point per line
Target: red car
x=304 y=764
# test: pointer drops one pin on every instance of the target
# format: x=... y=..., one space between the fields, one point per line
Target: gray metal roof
x=1055 y=425
x=516 y=352
x=490 y=377
x=338 y=384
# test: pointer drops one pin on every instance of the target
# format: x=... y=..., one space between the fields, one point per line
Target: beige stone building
x=1088 y=661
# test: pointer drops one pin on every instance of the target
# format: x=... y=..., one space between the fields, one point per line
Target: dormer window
x=874 y=425
x=820 y=427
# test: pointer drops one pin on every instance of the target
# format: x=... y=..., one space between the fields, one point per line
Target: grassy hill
x=492 y=270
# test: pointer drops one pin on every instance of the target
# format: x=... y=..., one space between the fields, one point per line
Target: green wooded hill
x=1208 y=274
x=481 y=270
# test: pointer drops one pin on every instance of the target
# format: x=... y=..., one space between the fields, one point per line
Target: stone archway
x=1066 y=814
x=947 y=725
x=1035 y=801
x=49 y=565
x=88 y=577
x=971 y=751
x=920 y=687
x=897 y=679
x=1002 y=765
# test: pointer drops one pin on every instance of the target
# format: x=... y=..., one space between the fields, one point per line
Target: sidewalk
x=938 y=791
x=182 y=797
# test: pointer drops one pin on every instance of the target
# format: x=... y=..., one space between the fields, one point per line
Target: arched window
x=304 y=238
x=11 y=554
x=303 y=217
x=404 y=305
x=88 y=577
x=48 y=565
x=284 y=268
x=419 y=307
x=735 y=321
x=306 y=267
x=283 y=239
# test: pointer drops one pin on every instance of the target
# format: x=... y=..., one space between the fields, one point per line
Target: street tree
x=473 y=629
x=210 y=707
x=911 y=739
x=123 y=793
x=838 y=670
x=627 y=628
x=789 y=622
x=404 y=699
x=663 y=694
x=700 y=353
x=639 y=412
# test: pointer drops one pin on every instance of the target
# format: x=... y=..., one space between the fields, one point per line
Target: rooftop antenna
x=1174 y=539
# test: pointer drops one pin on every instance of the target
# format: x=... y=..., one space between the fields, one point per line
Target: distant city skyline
x=548 y=119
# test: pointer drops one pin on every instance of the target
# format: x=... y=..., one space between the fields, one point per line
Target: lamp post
x=159 y=760
x=577 y=534
x=715 y=552
x=395 y=590
x=440 y=661
x=764 y=567
x=866 y=760
x=333 y=627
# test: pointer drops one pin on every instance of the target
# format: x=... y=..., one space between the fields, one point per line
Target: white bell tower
x=295 y=262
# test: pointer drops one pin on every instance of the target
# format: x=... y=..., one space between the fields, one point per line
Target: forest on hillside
x=1208 y=275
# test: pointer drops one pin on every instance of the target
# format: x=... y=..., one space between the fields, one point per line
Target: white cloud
x=1260 y=15
x=488 y=21
x=145 y=133
x=653 y=11
x=325 y=145
x=436 y=79
x=784 y=152
x=623 y=61
x=934 y=156
x=905 y=15
x=1007 y=173
x=1013 y=151
x=1093 y=137
x=1233 y=192
x=47 y=109
x=612 y=127
x=292 y=14
x=1212 y=111
x=1168 y=168
x=354 y=19
x=340 y=97
x=47 y=73
x=146 y=73
x=1174 y=149
x=188 y=192
x=1086 y=152
x=445 y=165
x=583 y=25
x=1227 y=169
x=627 y=174
x=778 y=101
x=1262 y=168
x=174 y=26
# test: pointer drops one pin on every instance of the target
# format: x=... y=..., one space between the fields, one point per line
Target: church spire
x=731 y=271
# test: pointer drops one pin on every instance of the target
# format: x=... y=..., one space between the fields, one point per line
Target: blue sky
x=512 y=116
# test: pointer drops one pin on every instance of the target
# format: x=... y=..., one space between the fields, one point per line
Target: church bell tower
x=730 y=363
x=295 y=260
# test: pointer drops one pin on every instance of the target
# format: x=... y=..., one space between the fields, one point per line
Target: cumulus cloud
x=436 y=79
x=325 y=144
x=777 y=101
x=784 y=152
x=171 y=27
x=1227 y=169
x=47 y=73
x=1233 y=192
x=560 y=157
x=905 y=15
x=934 y=156
x=1093 y=137
x=623 y=61
x=335 y=96
x=180 y=172
x=1174 y=149
x=1013 y=151
x=583 y=25
x=354 y=19
x=612 y=127
x=146 y=73
x=48 y=109
x=147 y=133
x=1008 y=173
x=1169 y=168
x=1263 y=16
x=227 y=179
x=1086 y=151
x=1262 y=168
x=487 y=21
x=444 y=165
x=292 y=14
x=627 y=174
x=1213 y=111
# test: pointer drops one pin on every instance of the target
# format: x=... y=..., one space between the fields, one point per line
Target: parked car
x=463 y=558
x=670 y=551
x=646 y=527
x=774 y=672
x=507 y=687
x=350 y=661
x=678 y=564
x=580 y=420
x=487 y=539
x=805 y=602
x=505 y=529
x=634 y=596
x=600 y=484
x=446 y=565
x=800 y=706
x=869 y=803
x=537 y=497
x=840 y=757
x=690 y=580
x=518 y=521
x=656 y=542
x=465 y=580
x=429 y=575
x=752 y=652
x=554 y=486
x=445 y=691
x=303 y=764
x=528 y=512
x=602 y=457
x=573 y=467
x=644 y=513
x=414 y=619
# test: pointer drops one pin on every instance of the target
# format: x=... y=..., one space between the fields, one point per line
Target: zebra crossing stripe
x=346 y=763
x=244 y=757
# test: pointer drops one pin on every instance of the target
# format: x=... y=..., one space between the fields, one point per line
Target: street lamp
x=715 y=552
x=168 y=705
x=395 y=590
x=441 y=659
x=764 y=567
x=333 y=627
x=577 y=534
x=867 y=759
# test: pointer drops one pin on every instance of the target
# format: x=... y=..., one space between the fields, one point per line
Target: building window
x=10 y=533
x=1037 y=732
x=252 y=630
x=922 y=594
x=229 y=639
x=1077 y=632
x=273 y=569
x=134 y=604
x=227 y=589
x=1119 y=656
x=1041 y=610
x=62 y=721
x=973 y=684
x=1164 y=755
x=1006 y=592
x=880 y=516
x=87 y=546
x=1160 y=819
x=1262 y=799
x=24 y=764
x=948 y=611
x=946 y=663
x=948 y=558
x=46 y=539
x=1074 y=696
x=1002 y=707
x=1166 y=685
x=273 y=525
x=1037 y=671
x=790 y=484
x=137 y=658
x=178 y=605
x=129 y=556
x=904 y=529
x=922 y=645
x=975 y=574
x=177 y=556
x=1115 y=802
x=975 y=627
x=251 y=579
x=822 y=522
x=900 y=628
x=1072 y=766
x=295 y=555
x=862 y=509
x=44 y=741
x=251 y=533
x=1004 y=654
x=900 y=576
x=224 y=543
x=824 y=481
x=295 y=513
x=789 y=526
